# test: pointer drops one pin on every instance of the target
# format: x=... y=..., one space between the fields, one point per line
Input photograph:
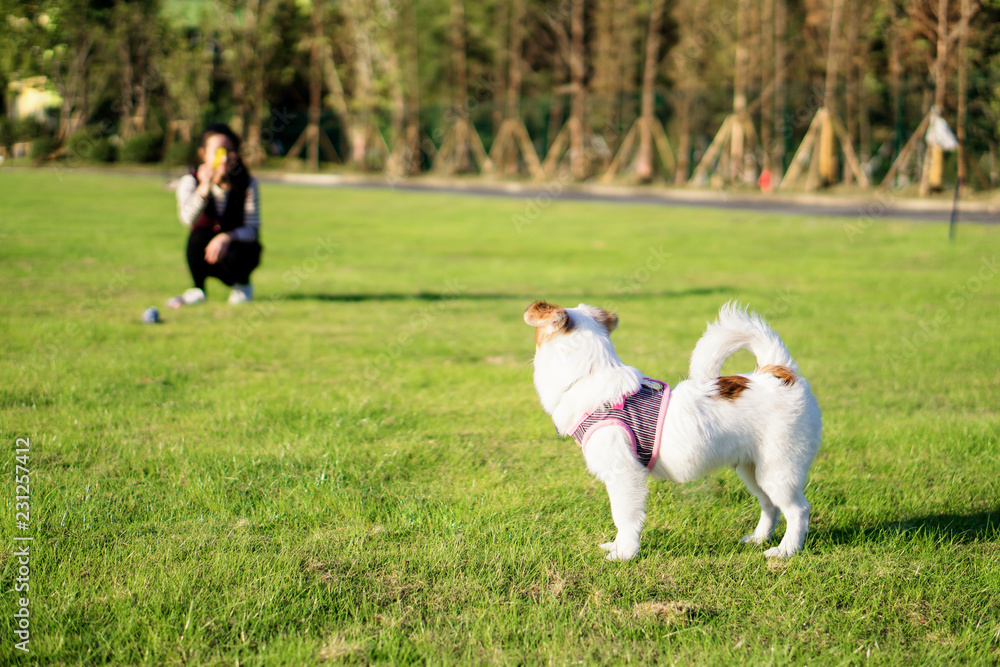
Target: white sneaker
x=241 y=294
x=189 y=298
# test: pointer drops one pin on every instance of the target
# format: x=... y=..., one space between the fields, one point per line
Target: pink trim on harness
x=639 y=414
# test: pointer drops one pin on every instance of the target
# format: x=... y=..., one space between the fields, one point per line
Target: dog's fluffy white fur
x=766 y=424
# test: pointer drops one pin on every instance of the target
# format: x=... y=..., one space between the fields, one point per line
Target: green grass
x=356 y=468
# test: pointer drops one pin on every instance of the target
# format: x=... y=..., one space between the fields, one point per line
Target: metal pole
x=954 y=211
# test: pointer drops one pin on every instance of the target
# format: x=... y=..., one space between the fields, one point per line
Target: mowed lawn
x=356 y=468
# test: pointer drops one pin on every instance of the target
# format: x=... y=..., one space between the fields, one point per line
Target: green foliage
x=90 y=145
x=144 y=147
x=26 y=34
x=355 y=467
x=8 y=132
x=182 y=153
x=27 y=129
x=42 y=147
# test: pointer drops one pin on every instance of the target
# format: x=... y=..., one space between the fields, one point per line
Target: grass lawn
x=356 y=468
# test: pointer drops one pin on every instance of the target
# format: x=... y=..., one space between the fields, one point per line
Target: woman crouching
x=220 y=202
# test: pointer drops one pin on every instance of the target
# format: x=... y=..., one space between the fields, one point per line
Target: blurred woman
x=220 y=202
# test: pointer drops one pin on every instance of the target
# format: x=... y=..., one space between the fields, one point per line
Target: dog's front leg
x=610 y=458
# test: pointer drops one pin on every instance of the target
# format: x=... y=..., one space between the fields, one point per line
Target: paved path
x=873 y=206
x=867 y=208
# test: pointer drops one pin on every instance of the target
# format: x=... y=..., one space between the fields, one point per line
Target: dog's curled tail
x=736 y=329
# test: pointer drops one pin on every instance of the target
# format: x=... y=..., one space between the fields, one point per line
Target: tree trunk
x=853 y=55
x=363 y=98
x=508 y=160
x=941 y=63
x=766 y=77
x=827 y=145
x=514 y=63
x=578 y=157
x=780 y=96
x=315 y=86
x=683 y=110
x=337 y=97
x=963 y=86
x=896 y=86
x=737 y=144
x=685 y=59
x=556 y=109
x=460 y=107
x=644 y=163
x=605 y=81
x=126 y=101
x=412 y=153
x=933 y=178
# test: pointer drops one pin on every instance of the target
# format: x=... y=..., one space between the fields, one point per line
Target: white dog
x=765 y=424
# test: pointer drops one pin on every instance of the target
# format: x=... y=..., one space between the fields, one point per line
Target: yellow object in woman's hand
x=219 y=158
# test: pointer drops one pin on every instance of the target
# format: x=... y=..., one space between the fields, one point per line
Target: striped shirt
x=190 y=207
x=640 y=415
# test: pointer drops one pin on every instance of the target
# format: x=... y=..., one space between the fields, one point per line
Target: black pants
x=232 y=268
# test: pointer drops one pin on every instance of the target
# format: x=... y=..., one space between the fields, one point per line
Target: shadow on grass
x=388 y=296
x=488 y=296
x=979 y=527
x=956 y=528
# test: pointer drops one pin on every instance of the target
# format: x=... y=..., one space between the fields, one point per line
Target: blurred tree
x=616 y=49
x=702 y=33
x=186 y=64
x=24 y=40
x=647 y=129
x=136 y=30
x=512 y=136
x=406 y=155
x=79 y=30
x=727 y=155
x=251 y=34
x=462 y=146
x=572 y=140
x=313 y=139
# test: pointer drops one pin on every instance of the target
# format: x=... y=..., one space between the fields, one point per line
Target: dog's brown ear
x=608 y=320
x=549 y=319
x=540 y=314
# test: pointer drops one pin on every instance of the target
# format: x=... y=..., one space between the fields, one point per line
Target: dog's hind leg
x=610 y=459
x=768 y=512
x=793 y=504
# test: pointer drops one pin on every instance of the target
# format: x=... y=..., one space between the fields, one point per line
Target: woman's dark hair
x=224 y=130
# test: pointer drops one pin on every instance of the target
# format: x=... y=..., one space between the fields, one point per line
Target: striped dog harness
x=640 y=414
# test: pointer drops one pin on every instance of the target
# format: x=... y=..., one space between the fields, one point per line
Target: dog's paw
x=608 y=546
x=781 y=551
x=753 y=539
x=620 y=552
